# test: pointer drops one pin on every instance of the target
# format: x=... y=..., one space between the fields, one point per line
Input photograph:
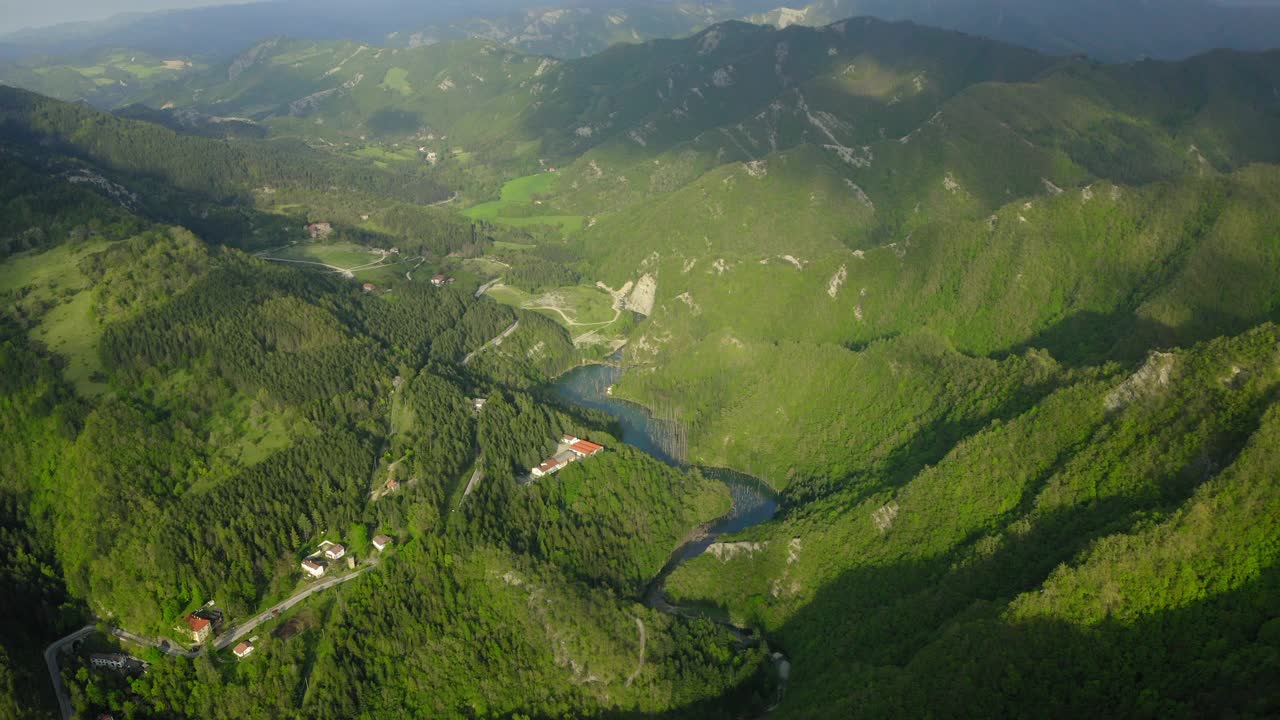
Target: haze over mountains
x=1106 y=29
x=994 y=319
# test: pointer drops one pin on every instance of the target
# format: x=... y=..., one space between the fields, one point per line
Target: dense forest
x=998 y=328
x=229 y=414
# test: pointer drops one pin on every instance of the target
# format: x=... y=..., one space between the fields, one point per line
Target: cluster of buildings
x=329 y=551
x=442 y=280
x=570 y=449
x=316 y=564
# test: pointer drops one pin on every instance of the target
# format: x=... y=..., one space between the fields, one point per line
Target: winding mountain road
x=55 y=672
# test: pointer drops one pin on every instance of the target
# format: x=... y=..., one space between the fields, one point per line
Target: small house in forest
x=312 y=568
x=335 y=552
x=319 y=230
x=380 y=542
x=198 y=627
x=243 y=649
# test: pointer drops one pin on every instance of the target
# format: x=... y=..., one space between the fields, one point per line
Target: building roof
x=586 y=447
x=381 y=540
x=335 y=549
x=242 y=648
x=549 y=464
x=197 y=623
x=311 y=564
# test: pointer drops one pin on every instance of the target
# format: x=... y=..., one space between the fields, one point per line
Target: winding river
x=753 y=501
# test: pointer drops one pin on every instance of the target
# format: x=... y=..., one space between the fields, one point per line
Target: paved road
x=55 y=673
x=221 y=642
x=235 y=632
x=496 y=341
x=485 y=287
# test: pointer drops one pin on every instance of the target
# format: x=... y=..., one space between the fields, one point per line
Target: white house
x=335 y=551
x=313 y=568
x=380 y=542
x=243 y=649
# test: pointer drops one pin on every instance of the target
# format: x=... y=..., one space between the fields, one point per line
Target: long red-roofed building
x=585 y=448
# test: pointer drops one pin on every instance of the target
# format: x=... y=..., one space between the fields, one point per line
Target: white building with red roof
x=198 y=627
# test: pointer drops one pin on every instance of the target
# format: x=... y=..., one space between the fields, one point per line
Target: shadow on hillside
x=926 y=447
x=1092 y=338
x=948 y=651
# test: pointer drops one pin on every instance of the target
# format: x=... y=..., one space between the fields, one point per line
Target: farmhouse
x=319 y=230
x=334 y=552
x=547 y=467
x=380 y=542
x=438 y=280
x=199 y=628
x=569 y=450
x=312 y=568
x=369 y=287
x=243 y=649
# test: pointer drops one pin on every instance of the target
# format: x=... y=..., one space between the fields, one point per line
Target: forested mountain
x=998 y=326
x=185 y=421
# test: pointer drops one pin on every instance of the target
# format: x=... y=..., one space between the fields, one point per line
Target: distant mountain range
x=1106 y=29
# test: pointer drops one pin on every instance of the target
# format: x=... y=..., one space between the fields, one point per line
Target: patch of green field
x=103 y=81
x=344 y=255
x=247 y=434
x=577 y=307
x=380 y=153
x=567 y=223
x=397 y=79
x=70 y=330
x=484 y=266
x=91 y=71
x=49 y=271
x=53 y=278
x=142 y=72
x=513 y=246
x=516 y=206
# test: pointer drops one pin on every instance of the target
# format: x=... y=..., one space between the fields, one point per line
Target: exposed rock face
x=884 y=517
x=642 y=296
x=302 y=106
x=247 y=59
x=1152 y=376
x=725 y=552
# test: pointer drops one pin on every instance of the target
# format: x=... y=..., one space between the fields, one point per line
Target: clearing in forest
x=519 y=205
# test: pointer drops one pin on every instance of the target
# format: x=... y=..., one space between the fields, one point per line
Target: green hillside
x=999 y=328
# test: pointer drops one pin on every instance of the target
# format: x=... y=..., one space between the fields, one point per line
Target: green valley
x=861 y=370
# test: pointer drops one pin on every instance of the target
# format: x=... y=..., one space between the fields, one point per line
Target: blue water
x=753 y=501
